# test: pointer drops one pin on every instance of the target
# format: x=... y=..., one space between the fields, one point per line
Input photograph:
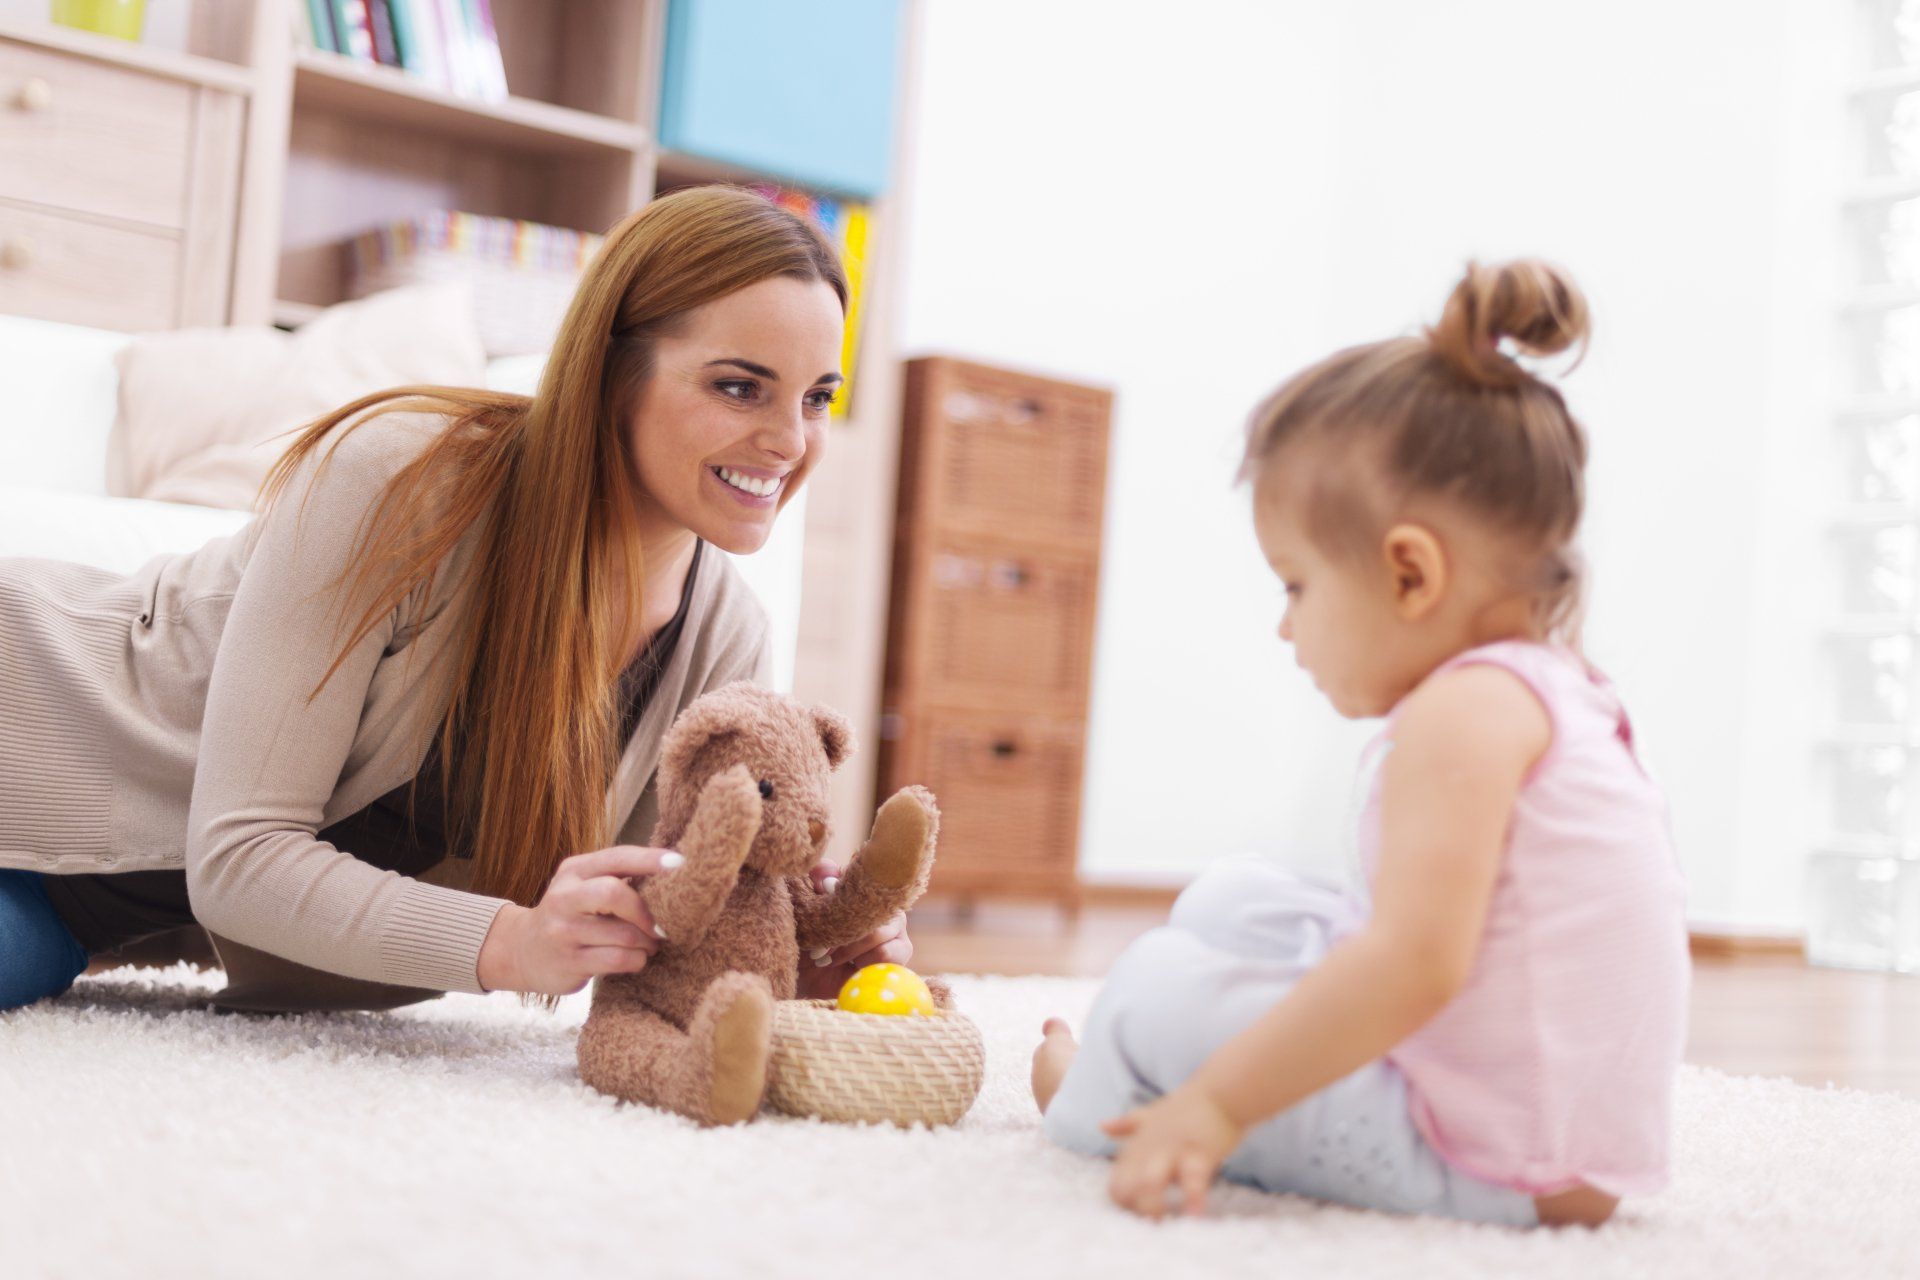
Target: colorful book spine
x=425 y=44
x=486 y=38
x=320 y=20
x=380 y=24
x=353 y=30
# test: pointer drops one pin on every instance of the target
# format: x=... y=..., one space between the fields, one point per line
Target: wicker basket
x=855 y=1067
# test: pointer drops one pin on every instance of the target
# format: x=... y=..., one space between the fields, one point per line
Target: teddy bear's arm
x=686 y=901
x=886 y=876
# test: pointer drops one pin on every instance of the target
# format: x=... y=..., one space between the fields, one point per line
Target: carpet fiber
x=145 y=1138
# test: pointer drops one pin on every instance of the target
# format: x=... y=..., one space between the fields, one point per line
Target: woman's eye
x=736 y=390
x=822 y=401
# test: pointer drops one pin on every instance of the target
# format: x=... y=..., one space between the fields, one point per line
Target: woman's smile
x=754 y=487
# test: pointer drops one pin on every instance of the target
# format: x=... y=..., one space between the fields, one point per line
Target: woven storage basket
x=870 y=1067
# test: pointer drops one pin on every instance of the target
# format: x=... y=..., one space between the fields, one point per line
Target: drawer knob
x=35 y=95
x=16 y=254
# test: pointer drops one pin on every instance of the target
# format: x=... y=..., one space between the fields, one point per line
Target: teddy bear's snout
x=816 y=831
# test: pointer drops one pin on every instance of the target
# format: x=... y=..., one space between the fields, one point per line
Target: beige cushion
x=203 y=413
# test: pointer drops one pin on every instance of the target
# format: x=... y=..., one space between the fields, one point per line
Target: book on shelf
x=847 y=223
x=449 y=44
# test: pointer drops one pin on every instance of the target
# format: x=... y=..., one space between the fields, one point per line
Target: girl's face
x=1340 y=614
x=733 y=418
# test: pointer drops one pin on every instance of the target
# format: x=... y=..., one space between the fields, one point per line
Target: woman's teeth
x=747 y=484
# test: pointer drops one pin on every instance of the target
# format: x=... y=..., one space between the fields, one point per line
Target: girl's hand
x=889 y=944
x=590 y=921
x=1177 y=1141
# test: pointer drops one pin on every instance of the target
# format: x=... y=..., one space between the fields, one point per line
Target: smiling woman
x=401 y=730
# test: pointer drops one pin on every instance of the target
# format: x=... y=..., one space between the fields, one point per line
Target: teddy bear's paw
x=902 y=838
x=738 y=1012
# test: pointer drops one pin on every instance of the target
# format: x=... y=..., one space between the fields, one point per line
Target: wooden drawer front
x=81 y=272
x=1015 y=457
x=1008 y=789
x=78 y=135
x=1004 y=627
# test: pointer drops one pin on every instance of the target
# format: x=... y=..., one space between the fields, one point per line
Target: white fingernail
x=821 y=962
x=830 y=884
x=668 y=861
x=817 y=952
x=659 y=933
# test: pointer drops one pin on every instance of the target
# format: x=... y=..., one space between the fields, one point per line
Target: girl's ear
x=836 y=735
x=1417 y=570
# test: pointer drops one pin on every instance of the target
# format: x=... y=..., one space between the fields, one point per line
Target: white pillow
x=116 y=534
x=57 y=384
x=203 y=412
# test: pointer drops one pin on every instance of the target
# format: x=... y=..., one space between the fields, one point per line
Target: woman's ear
x=1417 y=570
x=836 y=735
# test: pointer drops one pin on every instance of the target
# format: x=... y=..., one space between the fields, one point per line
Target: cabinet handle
x=16 y=254
x=35 y=95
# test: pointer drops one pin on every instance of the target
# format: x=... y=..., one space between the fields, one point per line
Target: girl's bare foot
x=1051 y=1060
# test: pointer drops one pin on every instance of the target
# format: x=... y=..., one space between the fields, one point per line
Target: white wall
x=1190 y=209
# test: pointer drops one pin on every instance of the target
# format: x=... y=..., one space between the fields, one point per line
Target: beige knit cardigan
x=161 y=720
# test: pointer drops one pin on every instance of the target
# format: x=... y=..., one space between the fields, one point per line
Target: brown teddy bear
x=743 y=797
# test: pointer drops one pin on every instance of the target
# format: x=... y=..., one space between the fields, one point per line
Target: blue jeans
x=39 y=956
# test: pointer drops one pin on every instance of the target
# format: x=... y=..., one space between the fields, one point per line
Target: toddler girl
x=1493 y=1034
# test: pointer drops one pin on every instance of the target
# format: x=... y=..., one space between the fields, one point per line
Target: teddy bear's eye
x=766 y=789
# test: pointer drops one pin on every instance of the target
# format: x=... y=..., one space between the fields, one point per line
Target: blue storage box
x=801 y=91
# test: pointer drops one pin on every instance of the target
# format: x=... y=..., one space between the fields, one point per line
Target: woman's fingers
x=898 y=951
x=826 y=874
x=890 y=937
x=620 y=860
x=600 y=960
x=612 y=896
x=604 y=931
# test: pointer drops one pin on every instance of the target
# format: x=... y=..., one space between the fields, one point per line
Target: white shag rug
x=142 y=1137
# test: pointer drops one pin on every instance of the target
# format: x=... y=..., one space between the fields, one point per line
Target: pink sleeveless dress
x=1554 y=1065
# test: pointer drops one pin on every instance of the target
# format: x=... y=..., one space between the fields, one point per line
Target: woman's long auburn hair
x=530 y=735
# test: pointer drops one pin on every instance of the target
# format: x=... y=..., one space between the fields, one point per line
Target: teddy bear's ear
x=836 y=734
x=711 y=721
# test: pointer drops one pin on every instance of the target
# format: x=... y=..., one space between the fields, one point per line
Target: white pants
x=1237 y=941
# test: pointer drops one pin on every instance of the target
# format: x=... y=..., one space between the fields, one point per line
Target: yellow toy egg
x=887 y=988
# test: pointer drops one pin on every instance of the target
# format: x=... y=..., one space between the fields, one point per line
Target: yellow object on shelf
x=887 y=988
x=122 y=18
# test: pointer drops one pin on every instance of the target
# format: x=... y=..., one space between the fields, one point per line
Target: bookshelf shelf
x=333 y=82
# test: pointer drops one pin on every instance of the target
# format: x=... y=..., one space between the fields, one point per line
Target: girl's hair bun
x=1534 y=303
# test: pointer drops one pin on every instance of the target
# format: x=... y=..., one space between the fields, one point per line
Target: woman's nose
x=787 y=440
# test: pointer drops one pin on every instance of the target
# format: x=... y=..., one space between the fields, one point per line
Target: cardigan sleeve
x=270 y=757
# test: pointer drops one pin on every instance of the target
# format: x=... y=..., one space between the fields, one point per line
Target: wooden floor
x=1752 y=1014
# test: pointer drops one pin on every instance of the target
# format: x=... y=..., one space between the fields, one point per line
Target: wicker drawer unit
x=118 y=191
x=1007 y=455
x=995 y=584
x=1009 y=791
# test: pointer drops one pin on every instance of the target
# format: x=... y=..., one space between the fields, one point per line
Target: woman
x=397 y=736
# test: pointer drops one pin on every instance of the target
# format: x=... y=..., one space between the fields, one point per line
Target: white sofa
x=57 y=394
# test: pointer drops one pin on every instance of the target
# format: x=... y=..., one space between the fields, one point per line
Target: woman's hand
x=1177 y=1141
x=825 y=972
x=590 y=921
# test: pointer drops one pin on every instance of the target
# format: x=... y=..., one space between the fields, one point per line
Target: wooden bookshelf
x=388 y=97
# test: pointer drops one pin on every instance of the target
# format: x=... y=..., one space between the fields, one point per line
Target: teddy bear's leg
x=714 y=1072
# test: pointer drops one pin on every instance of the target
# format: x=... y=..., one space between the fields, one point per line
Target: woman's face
x=734 y=416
